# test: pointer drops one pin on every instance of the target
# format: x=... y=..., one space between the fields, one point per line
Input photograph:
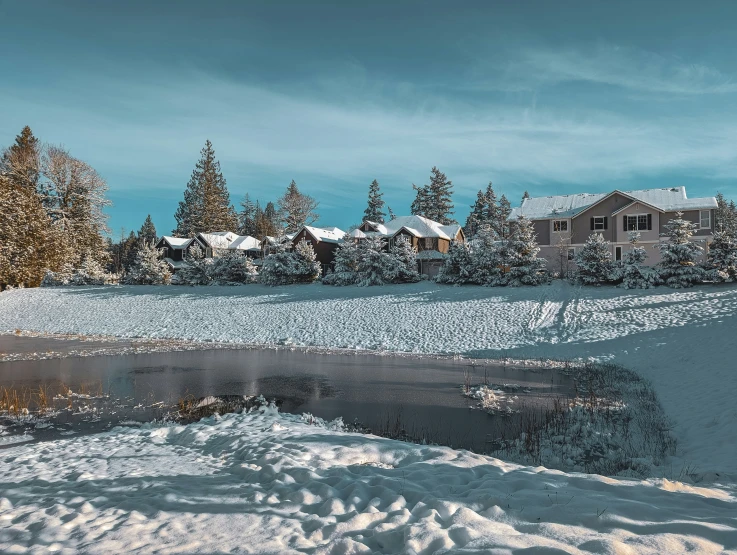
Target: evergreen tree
x=247 y=218
x=477 y=216
x=503 y=210
x=300 y=266
x=633 y=272
x=28 y=239
x=487 y=265
x=21 y=162
x=375 y=210
x=421 y=204
x=232 y=268
x=149 y=267
x=490 y=213
x=197 y=270
x=403 y=260
x=722 y=257
x=271 y=220
x=375 y=266
x=457 y=266
x=726 y=215
x=297 y=210
x=392 y=215
x=525 y=268
x=594 y=261
x=128 y=250
x=678 y=266
x=440 y=201
x=345 y=264
x=147 y=233
x=525 y=196
x=206 y=206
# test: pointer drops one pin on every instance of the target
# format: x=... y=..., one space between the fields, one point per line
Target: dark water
x=383 y=393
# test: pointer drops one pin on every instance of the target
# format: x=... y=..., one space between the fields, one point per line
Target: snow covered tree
x=299 y=266
x=525 y=268
x=476 y=217
x=721 y=260
x=503 y=210
x=726 y=215
x=247 y=218
x=147 y=233
x=525 y=196
x=296 y=209
x=457 y=266
x=196 y=271
x=206 y=205
x=91 y=272
x=486 y=268
x=345 y=264
x=440 y=201
x=232 y=268
x=678 y=268
x=404 y=262
x=28 y=239
x=375 y=266
x=392 y=215
x=149 y=267
x=594 y=261
x=633 y=272
x=21 y=162
x=375 y=210
x=421 y=204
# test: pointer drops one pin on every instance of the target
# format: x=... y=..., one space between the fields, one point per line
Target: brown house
x=431 y=239
x=324 y=241
x=563 y=223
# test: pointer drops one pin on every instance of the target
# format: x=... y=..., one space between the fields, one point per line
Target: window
x=638 y=222
x=431 y=243
x=617 y=253
x=705 y=219
x=571 y=254
x=599 y=223
x=560 y=225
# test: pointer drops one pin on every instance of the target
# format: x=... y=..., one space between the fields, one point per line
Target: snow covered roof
x=229 y=240
x=327 y=234
x=667 y=199
x=418 y=226
x=177 y=242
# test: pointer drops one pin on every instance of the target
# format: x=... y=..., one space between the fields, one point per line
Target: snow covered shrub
x=519 y=255
x=721 y=261
x=594 y=261
x=345 y=265
x=457 y=266
x=632 y=272
x=197 y=271
x=232 y=268
x=486 y=262
x=90 y=272
x=300 y=266
x=375 y=267
x=678 y=268
x=60 y=278
x=148 y=268
x=404 y=258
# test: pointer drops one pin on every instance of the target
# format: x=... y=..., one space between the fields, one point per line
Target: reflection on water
x=420 y=395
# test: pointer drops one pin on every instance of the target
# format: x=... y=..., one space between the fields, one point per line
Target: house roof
x=245 y=243
x=229 y=240
x=177 y=242
x=326 y=234
x=418 y=226
x=667 y=199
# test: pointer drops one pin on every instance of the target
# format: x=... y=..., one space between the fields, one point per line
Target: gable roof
x=326 y=234
x=666 y=199
x=176 y=242
x=418 y=226
x=229 y=240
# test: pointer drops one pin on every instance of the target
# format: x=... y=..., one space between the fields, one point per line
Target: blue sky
x=551 y=97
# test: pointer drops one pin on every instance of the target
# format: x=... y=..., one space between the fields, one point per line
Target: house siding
x=542 y=230
x=324 y=251
x=693 y=216
x=622 y=236
x=582 y=222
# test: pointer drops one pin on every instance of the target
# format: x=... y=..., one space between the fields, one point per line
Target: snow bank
x=683 y=341
x=269 y=483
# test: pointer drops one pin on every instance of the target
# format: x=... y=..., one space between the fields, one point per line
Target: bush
x=286 y=268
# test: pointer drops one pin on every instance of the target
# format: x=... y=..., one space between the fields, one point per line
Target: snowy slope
x=683 y=341
x=267 y=483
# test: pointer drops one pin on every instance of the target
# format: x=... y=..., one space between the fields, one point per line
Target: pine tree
x=477 y=216
x=300 y=266
x=726 y=214
x=375 y=266
x=525 y=268
x=678 y=268
x=247 y=218
x=440 y=201
x=345 y=264
x=633 y=272
x=21 y=162
x=28 y=239
x=490 y=214
x=392 y=215
x=149 y=267
x=503 y=210
x=487 y=265
x=594 y=261
x=206 y=206
x=232 y=268
x=297 y=210
x=421 y=205
x=403 y=260
x=525 y=196
x=128 y=250
x=147 y=233
x=375 y=210
x=196 y=271
x=722 y=257
x=457 y=266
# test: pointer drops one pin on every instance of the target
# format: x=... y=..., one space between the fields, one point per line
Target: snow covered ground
x=269 y=483
x=684 y=341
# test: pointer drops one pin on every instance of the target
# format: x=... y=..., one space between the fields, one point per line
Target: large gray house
x=563 y=223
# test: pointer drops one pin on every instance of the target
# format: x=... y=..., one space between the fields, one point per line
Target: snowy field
x=684 y=341
x=269 y=483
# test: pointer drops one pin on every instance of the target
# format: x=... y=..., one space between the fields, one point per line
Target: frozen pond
x=421 y=395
